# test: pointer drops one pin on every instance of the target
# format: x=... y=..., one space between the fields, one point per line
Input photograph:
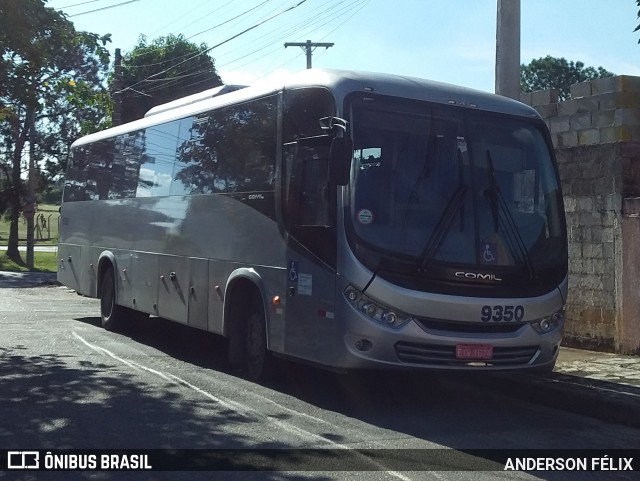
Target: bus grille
x=431 y=325
x=438 y=355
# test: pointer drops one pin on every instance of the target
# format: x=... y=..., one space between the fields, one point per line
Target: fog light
x=363 y=345
x=370 y=309
x=390 y=318
x=548 y=323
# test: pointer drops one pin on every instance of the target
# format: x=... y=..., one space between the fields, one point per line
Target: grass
x=42 y=262
x=44 y=235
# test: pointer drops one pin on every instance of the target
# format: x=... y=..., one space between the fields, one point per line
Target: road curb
x=608 y=401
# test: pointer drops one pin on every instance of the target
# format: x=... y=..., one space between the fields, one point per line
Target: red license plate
x=474 y=351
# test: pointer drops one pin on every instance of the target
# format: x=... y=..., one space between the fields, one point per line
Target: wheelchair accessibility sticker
x=293 y=270
x=488 y=253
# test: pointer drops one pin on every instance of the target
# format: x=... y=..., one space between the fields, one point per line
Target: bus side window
x=312 y=158
x=230 y=149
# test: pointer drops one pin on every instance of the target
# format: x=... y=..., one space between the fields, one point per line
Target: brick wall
x=596 y=135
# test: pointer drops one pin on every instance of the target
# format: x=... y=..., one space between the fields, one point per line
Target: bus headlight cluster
x=549 y=323
x=375 y=310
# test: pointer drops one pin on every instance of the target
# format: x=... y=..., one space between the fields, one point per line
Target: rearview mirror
x=334 y=124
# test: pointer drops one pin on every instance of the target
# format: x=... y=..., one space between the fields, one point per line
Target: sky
x=445 y=40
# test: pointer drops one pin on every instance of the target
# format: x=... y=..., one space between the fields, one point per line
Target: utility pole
x=308 y=47
x=508 y=49
x=116 y=116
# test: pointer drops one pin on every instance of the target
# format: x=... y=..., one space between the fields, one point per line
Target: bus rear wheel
x=111 y=314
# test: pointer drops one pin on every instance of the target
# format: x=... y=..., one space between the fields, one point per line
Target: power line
x=190 y=37
x=78 y=4
x=219 y=44
x=229 y=20
x=188 y=13
x=303 y=28
x=275 y=36
x=103 y=8
x=272 y=37
x=361 y=5
x=265 y=45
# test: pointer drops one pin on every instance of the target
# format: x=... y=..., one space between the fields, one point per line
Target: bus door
x=311 y=254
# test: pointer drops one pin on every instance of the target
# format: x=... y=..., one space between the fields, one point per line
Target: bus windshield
x=435 y=185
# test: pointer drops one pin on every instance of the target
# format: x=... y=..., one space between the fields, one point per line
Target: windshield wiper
x=443 y=226
x=455 y=204
x=498 y=205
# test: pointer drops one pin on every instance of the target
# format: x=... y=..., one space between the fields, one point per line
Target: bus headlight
x=374 y=310
x=549 y=323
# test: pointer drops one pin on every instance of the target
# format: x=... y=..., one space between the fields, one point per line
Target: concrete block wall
x=599 y=111
x=596 y=135
x=592 y=197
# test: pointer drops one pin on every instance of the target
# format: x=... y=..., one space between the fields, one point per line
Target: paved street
x=67 y=383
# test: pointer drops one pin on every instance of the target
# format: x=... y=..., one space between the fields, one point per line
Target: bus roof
x=192 y=99
x=340 y=82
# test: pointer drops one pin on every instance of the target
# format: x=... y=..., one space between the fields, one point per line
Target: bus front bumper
x=373 y=346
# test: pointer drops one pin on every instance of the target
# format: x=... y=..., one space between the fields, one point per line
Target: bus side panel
x=173 y=289
x=73 y=257
x=78 y=268
x=144 y=281
x=123 y=277
x=218 y=275
x=311 y=327
x=198 y=305
x=69 y=267
x=274 y=282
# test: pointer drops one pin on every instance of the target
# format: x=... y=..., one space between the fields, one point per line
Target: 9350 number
x=501 y=313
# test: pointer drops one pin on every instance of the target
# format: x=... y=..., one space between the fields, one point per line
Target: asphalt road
x=67 y=383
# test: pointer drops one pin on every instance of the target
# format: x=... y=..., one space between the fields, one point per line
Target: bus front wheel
x=248 y=346
x=111 y=314
x=257 y=361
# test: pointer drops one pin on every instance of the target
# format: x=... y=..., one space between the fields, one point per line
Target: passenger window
x=229 y=150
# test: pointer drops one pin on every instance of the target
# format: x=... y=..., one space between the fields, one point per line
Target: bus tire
x=257 y=358
x=248 y=353
x=111 y=314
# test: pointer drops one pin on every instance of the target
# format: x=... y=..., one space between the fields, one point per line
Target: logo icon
x=23 y=460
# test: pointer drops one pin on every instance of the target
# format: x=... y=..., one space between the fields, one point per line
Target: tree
x=557 y=73
x=638 y=27
x=51 y=92
x=166 y=69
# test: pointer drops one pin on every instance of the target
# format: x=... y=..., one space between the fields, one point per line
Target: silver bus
x=350 y=220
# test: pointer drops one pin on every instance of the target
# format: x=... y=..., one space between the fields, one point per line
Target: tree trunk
x=14 y=202
x=16 y=187
x=12 y=247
